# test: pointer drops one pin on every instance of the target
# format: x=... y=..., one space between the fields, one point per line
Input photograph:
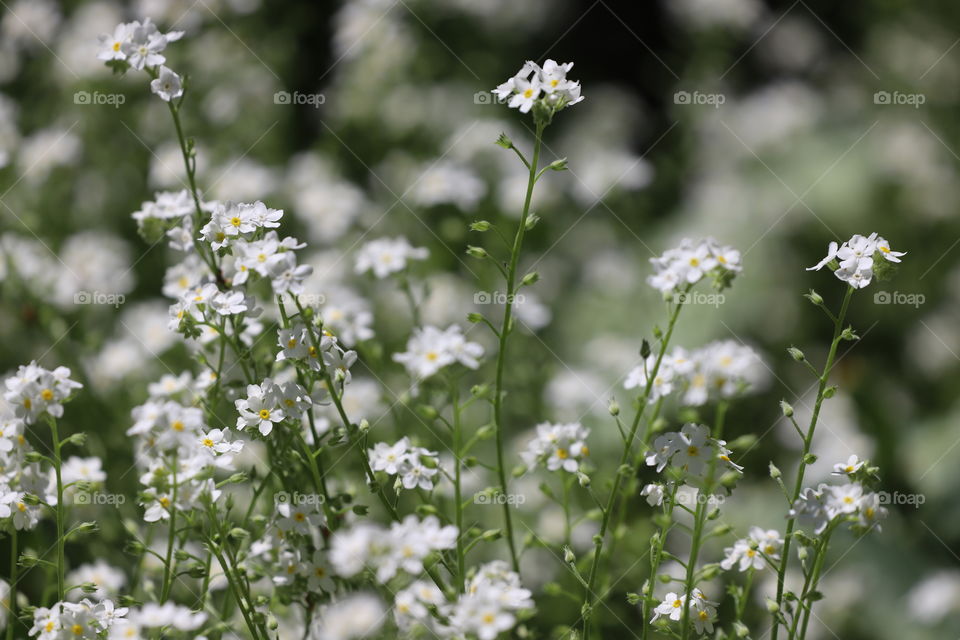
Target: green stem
x=699 y=519
x=14 y=577
x=801 y=469
x=618 y=478
x=168 y=563
x=61 y=562
x=814 y=581
x=458 y=499
x=505 y=330
x=656 y=557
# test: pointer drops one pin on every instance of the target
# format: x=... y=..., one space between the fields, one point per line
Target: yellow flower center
x=177 y=425
x=116 y=47
x=235 y=221
x=677 y=604
x=264 y=414
x=207 y=442
x=299 y=517
x=563 y=454
x=27 y=403
x=47 y=394
x=77 y=629
x=528 y=93
x=692 y=451
x=432 y=356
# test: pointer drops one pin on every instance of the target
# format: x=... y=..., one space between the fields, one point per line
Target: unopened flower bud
x=796 y=354
x=787 y=408
x=480 y=225
x=477 y=252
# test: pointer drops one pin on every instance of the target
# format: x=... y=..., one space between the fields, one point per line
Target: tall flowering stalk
x=544 y=91
x=856 y=262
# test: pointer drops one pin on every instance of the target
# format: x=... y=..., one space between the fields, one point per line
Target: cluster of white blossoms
x=487 y=608
x=852 y=503
x=177 y=451
x=386 y=256
x=557 y=447
x=140 y=45
x=84 y=620
x=691 y=261
x=269 y=403
x=703 y=612
x=691 y=450
x=761 y=546
x=297 y=347
x=721 y=369
x=168 y=616
x=415 y=467
x=289 y=551
x=857 y=260
x=402 y=547
x=430 y=349
x=547 y=85
x=29 y=394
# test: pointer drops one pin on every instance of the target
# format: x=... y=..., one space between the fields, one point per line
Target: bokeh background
x=774 y=126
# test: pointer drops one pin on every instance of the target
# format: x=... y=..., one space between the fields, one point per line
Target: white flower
x=671 y=606
x=385 y=256
x=260 y=408
x=654 y=494
x=532 y=83
x=429 y=350
x=754 y=551
x=358 y=615
x=557 y=446
x=857 y=258
x=852 y=465
x=167 y=85
x=690 y=262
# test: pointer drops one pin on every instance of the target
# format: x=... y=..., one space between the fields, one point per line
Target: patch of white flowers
x=692 y=261
x=557 y=447
x=857 y=260
x=414 y=467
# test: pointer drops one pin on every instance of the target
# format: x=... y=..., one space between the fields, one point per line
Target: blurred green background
x=774 y=126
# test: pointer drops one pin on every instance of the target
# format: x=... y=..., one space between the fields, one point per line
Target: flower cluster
x=486 y=610
x=269 y=403
x=547 y=86
x=31 y=393
x=415 y=467
x=403 y=547
x=430 y=349
x=690 y=450
x=690 y=262
x=755 y=551
x=140 y=45
x=303 y=347
x=386 y=256
x=721 y=369
x=84 y=620
x=289 y=551
x=828 y=505
x=703 y=612
x=557 y=446
x=857 y=260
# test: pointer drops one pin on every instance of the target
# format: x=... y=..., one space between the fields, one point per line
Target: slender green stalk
x=801 y=468
x=14 y=577
x=61 y=561
x=457 y=497
x=505 y=330
x=168 y=563
x=656 y=557
x=621 y=470
x=814 y=581
x=699 y=519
